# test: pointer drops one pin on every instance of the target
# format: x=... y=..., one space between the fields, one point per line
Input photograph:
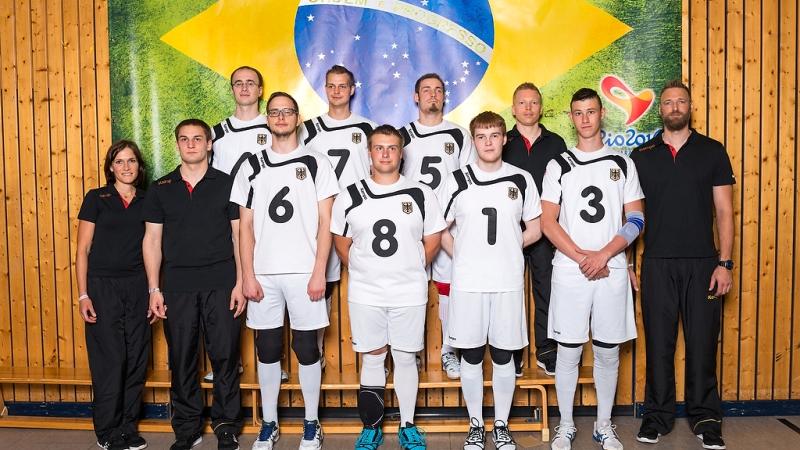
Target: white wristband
x=151 y=290
x=83 y=296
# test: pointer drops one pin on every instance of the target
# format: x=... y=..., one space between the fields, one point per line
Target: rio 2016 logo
x=634 y=104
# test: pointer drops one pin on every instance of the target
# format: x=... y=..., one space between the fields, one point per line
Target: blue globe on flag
x=388 y=44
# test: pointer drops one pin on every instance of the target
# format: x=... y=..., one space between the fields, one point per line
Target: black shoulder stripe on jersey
x=565 y=166
x=245 y=156
x=249 y=204
x=517 y=179
x=253 y=160
x=618 y=160
x=251 y=127
x=355 y=200
x=218 y=132
x=461 y=182
x=308 y=160
x=363 y=126
x=415 y=194
x=406 y=137
x=310 y=129
x=456 y=133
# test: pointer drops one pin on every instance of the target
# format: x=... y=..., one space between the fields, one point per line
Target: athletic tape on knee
x=304 y=344
x=269 y=345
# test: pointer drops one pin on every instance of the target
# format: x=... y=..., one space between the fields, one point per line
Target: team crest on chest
x=408 y=208
x=356 y=138
x=261 y=139
x=449 y=148
x=513 y=193
x=614 y=174
x=300 y=173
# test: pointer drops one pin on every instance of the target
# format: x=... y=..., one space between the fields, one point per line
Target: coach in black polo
x=530 y=147
x=687 y=180
x=191 y=259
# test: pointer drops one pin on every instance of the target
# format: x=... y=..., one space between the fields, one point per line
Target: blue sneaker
x=267 y=437
x=312 y=435
x=411 y=438
x=369 y=439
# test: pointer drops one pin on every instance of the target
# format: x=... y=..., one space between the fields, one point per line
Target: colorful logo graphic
x=634 y=104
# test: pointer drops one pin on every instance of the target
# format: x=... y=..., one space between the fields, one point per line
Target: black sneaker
x=547 y=361
x=134 y=441
x=647 y=433
x=185 y=443
x=227 y=441
x=116 y=443
x=712 y=439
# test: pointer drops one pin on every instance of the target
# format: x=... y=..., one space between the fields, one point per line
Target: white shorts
x=286 y=291
x=475 y=317
x=575 y=302
x=373 y=327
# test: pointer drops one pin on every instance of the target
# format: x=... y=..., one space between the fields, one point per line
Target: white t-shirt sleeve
x=445 y=194
x=326 y=182
x=434 y=221
x=532 y=206
x=468 y=152
x=338 y=220
x=632 y=190
x=551 y=186
x=240 y=191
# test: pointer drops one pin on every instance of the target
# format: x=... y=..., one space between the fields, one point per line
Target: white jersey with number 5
x=592 y=189
x=283 y=190
x=487 y=208
x=387 y=224
x=235 y=140
x=430 y=155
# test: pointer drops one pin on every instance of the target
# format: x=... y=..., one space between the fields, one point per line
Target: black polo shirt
x=196 y=245
x=116 y=249
x=533 y=161
x=679 y=202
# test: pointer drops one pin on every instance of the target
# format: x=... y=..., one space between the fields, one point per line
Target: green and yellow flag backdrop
x=171 y=59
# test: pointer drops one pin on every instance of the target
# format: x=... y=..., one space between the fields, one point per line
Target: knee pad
x=370 y=405
x=500 y=356
x=602 y=344
x=473 y=356
x=269 y=345
x=570 y=345
x=304 y=344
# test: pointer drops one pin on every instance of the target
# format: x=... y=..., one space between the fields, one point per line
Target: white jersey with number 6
x=430 y=155
x=487 y=208
x=387 y=224
x=283 y=190
x=592 y=189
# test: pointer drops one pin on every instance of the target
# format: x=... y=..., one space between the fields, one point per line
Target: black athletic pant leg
x=222 y=336
x=701 y=321
x=182 y=330
x=137 y=342
x=540 y=261
x=105 y=344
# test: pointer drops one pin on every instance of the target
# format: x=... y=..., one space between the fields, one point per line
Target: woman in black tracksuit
x=112 y=296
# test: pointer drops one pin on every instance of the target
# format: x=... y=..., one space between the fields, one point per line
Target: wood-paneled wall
x=739 y=56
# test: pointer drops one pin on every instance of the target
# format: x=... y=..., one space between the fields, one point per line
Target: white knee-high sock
x=310 y=379
x=606 y=370
x=503 y=384
x=472 y=388
x=406 y=383
x=372 y=373
x=444 y=301
x=269 y=380
x=567 y=362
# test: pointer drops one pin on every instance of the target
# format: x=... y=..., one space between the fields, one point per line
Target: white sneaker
x=476 y=436
x=451 y=365
x=267 y=437
x=502 y=436
x=284 y=376
x=312 y=435
x=565 y=434
x=209 y=377
x=605 y=435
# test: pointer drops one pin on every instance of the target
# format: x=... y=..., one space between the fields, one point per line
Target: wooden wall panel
x=739 y=56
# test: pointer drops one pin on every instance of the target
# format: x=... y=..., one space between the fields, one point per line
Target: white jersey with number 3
x=235 y=140
x=387 y=224
x=430 y=155
x=283 y=190
x=487 y=208
x=592 y=189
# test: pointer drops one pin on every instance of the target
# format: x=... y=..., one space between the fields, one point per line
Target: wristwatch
x=726 y=263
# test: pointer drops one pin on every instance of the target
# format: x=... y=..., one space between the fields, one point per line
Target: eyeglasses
x=238 y=84
x=285 y=112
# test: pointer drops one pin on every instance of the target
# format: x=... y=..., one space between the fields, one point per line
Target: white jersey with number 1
x=430 y=155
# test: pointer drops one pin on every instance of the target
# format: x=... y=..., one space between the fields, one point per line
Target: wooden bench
x=533 y=378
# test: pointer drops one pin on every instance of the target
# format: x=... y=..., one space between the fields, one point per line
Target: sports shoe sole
x=138 y=448
x=648 y=440
x=544 y=367
x=711 y=447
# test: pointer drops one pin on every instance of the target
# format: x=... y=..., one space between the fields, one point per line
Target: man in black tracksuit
x=531 y=146
x=687 y=180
